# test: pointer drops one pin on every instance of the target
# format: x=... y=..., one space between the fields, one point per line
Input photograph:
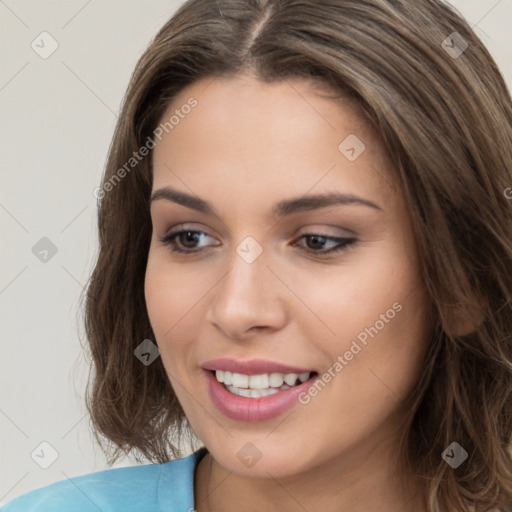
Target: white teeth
x=240 y=380
x=244 y=392
x=291 y=378
x=233 y=390
x=258 y=381
x=276 y=380
x=304 y=376
x=258 y=393
x=255 y=386
x=252 y=393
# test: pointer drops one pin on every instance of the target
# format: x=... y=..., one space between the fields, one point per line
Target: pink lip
x=241 y=408
x=252 y=367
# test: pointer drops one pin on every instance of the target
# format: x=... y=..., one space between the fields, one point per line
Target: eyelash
x=343 y=243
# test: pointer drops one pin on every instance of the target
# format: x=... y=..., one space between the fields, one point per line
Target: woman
x=305 y=254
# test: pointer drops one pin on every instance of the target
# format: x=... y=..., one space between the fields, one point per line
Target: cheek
x=160 y=292
x=395 y=339
x=381 y=362
x=175 y=300
x=372 y=310
x=167 y=298
x=349 y=297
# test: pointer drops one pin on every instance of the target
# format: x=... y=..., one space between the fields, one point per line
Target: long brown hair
x=427 y=83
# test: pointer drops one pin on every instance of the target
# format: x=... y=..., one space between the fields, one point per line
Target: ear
x=462 y=320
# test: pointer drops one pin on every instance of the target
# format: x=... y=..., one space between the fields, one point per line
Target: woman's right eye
x=184 y=240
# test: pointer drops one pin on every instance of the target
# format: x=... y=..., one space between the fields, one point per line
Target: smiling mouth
x=262 y=385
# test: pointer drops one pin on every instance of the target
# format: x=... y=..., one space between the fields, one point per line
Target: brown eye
x=184 y=240
x=317 y=243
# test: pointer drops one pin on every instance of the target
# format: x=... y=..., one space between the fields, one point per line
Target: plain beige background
x=58 y=114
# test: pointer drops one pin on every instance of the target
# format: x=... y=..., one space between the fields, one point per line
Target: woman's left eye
x=319 y=241
x=186 y=240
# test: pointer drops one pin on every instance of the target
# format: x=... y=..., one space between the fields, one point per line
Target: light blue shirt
x=167 y=487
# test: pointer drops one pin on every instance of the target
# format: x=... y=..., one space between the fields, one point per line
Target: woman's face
x=267 y=181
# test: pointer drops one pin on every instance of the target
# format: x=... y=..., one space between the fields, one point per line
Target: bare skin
x=245 y=147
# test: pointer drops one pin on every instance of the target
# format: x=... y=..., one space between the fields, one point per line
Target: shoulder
x=135 y=488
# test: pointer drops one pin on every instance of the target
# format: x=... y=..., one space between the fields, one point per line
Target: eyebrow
x=281 y=209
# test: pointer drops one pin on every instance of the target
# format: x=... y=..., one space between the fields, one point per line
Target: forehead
x=247 y=134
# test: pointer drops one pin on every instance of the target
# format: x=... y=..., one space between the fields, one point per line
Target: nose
x=249 y=300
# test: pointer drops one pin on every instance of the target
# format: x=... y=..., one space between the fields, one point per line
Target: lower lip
x=241 y=408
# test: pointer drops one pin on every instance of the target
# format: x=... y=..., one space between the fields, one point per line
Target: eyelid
x=323 y=230
x=187 y=226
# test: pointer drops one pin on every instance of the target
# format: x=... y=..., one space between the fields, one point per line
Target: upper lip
x=252 y=367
